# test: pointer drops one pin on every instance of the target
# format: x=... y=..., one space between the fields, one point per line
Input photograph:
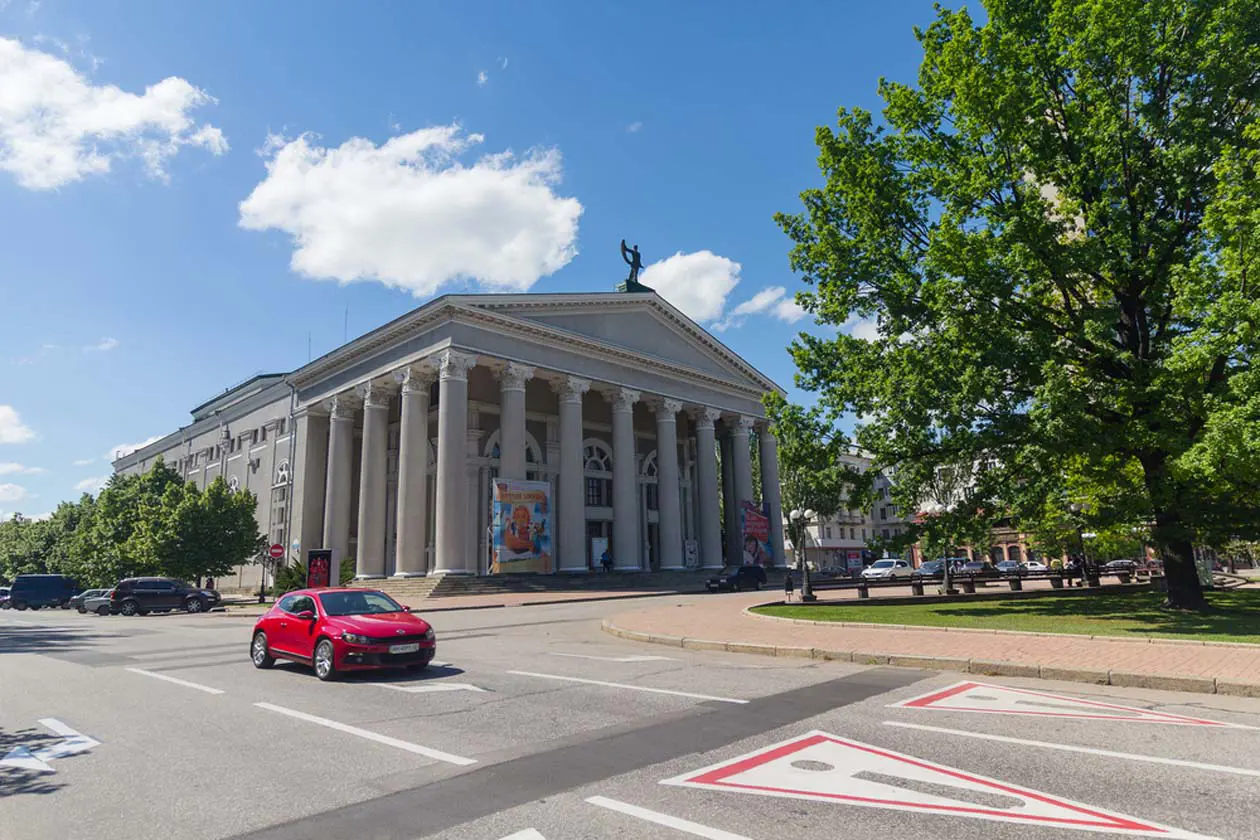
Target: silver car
x=99 y=604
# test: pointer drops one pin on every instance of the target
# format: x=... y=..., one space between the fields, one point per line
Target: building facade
x=388 y=445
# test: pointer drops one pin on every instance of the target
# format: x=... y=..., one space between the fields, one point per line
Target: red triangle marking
x=955 y=699
x=772 y=772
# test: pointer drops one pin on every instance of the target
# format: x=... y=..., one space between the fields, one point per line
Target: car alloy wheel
x=193 y=605
x=324 y=660
x=102 y=610
x=130 y=608
x=258 y=651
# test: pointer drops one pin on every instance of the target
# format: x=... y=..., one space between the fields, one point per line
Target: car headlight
x=429 y=635
x=354 y=638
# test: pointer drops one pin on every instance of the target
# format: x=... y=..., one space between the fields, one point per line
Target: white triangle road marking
x=20 y=758
x=636 y=658
x=432 y=688
x=526 y=834
x=822 y=767
x=968 y=696
x=72 y=742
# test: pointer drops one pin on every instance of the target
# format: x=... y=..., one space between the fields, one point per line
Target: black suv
x=137 y=596
x=37 y=591
x=737 y=578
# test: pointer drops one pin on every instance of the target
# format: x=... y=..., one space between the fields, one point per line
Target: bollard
x=1056 y=582
x=916 y=587
x=969 y=586
x=1017 y=585
x=864 y=591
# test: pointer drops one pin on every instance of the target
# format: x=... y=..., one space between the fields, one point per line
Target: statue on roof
x=632 y=258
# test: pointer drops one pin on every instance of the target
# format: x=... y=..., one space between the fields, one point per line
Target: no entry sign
x=276 y=551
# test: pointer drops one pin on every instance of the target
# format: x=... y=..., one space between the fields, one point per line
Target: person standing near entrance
x=606 y=561
x=788 y=586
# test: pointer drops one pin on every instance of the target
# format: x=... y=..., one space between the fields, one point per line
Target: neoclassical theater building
x=384 y=449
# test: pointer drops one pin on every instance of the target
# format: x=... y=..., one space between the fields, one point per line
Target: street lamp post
x=800 y=518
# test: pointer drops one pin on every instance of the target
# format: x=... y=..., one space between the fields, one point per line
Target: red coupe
x=336 y=630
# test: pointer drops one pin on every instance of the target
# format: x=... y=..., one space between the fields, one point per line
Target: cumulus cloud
x=122 y=450
x=409 y=214
x=11 y=468
x=866 y=329
x=482 y=78
x=12 y=429
x=91 y=485
x=102 y=346
x=57 y=127
x=772 y=300
x=83 y=462
x=503 y=62
x=697 y=283
x=635 y=127
x=12 y=493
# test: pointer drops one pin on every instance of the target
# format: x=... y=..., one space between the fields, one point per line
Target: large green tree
x=1056 y=231
x=190 y=534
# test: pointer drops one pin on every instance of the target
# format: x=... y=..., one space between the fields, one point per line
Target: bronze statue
x=632 y=258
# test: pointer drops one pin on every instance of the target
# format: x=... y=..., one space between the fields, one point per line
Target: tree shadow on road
x=37 y=639
x=15 y=781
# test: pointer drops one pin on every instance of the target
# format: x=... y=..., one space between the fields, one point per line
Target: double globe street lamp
x=800 y=521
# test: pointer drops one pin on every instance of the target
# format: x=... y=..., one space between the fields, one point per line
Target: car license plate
x=411 y=648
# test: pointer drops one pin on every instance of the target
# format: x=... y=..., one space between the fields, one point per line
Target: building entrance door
x=596 y=529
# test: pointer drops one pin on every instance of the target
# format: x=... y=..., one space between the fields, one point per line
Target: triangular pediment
x=641 y=323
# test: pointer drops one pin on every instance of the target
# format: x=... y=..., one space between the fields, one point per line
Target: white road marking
x=1175 y=762
x=428 y=752
x=207 y=689
x=527 y=834
x=431 y=688
x=676 y=823
x=627 y=687
x=74 y=741
x=641 y=658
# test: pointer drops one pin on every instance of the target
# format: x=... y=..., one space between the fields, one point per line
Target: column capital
x=571 y=388
x=514 y=375
x=665 y=408
x=743 y=424
x=374 y=394
x=342 y=406
x=705 y=417
x=622 y=399
x=453 y=364
x=415 y=379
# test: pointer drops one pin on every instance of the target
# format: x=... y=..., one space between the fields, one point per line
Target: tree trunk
x=1184 y=591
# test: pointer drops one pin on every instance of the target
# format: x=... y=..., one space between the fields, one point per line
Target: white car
x=888 y=570
x=1035 y=566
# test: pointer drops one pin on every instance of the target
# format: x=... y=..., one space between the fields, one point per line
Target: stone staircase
x=415 y=589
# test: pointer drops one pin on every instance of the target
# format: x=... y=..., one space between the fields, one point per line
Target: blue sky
x=186 y=190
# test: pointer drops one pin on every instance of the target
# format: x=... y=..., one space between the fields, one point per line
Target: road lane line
x=1003 y=739
x=627 y=687
x=431 y=688
x=207 y=689
x=676 y=823
x=436 y=755
x=640 y=658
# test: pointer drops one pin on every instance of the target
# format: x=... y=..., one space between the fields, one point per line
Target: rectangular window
x=863 y=534
x=262 y=434
x=828 y=532
x=652 y=497
x=885 y=533
x=595 y=492
x=852 y=532
x=280 y=426
x=883 y=513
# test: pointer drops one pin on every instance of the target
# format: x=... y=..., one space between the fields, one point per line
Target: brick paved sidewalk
x=720 y=623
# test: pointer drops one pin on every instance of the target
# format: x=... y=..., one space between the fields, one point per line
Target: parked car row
x=132 y=596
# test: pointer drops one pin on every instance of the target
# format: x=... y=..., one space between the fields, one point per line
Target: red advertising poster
x=318 y=567
x=756 y=535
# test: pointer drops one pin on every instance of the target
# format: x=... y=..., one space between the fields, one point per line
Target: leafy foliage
x=1054 y=232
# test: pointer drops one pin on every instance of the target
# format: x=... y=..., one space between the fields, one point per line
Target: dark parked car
x=1116 y=566
x=137 y=596
x=980 y=569
x=37 y=591
x=930 y=569
x=737 y=578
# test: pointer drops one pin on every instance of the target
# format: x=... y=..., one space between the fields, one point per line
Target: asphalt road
x=541 y=726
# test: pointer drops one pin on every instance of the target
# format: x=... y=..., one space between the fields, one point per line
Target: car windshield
x=358 y=603
x=882 y=564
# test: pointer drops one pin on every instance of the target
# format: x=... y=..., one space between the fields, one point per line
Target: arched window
x=282 y=472
x=234 y=484
x=533 y=455
x=996 y=555
x=1012 y=553
x=597 y=460
x=648 y=477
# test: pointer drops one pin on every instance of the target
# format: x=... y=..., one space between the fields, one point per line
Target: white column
x=734 y=551
x=450 y=540
x=571 y=536
x=740 y=431
x=310 y=479
x=707 y=490
x=770 y=490
x=669 y=509
x=337 y=488
x=512 y=419
x=413 y=472
x=626 y=548
x=370 y=562
x=477 y=496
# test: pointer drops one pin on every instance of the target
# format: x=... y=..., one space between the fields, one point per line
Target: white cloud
x=104 y=345
x=124 y=449
x=12 y=429
x=91 y=485
x=7 y=468
x=12 y=493
x=772 y=300
x=503 y=62
x=83 y=462
x=39 y=517
x=482 y=78
x=57 y=127
x=635 y=126
x=697 y=283
x=410 y=215
x=866 y=329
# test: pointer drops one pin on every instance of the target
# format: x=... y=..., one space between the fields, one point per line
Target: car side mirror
x=306 y=615
x=406 y=608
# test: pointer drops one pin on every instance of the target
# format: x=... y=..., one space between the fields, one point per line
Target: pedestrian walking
x=788 y=586
x=606 y=561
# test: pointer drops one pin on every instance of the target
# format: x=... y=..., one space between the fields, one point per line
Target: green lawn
x=1236 y=617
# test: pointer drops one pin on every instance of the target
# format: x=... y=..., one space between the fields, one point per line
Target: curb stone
x=979 y=667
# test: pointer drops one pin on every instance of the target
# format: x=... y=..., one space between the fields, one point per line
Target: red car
x=336 y=630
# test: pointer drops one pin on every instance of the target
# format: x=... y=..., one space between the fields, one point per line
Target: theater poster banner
x=318 y=567
x=756 y=534
x=521 y=530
